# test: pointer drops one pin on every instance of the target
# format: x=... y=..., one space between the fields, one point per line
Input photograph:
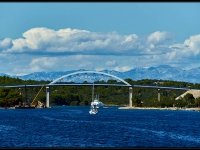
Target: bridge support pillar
x=130 y=97
x=47 y=96
x=159 y=95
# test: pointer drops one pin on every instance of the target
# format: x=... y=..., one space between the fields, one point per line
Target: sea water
x=74 y=127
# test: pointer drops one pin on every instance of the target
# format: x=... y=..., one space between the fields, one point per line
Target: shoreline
x=158 y=108
x=139 y=108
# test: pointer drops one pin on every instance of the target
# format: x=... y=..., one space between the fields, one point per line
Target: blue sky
x=96 y=36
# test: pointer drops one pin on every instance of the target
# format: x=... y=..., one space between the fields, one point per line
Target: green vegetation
x=110 y=95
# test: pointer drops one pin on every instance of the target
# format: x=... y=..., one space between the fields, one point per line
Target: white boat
x=95 y=104
x=94 y=107
x=93 y=111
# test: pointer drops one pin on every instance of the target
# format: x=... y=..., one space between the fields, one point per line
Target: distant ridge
x=162 y=72
x=3 y=74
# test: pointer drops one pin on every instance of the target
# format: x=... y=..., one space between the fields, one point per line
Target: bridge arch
x=88 y=72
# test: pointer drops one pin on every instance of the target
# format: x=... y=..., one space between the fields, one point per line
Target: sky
x=119 y=36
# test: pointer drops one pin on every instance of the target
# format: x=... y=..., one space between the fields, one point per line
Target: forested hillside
x=109 y=95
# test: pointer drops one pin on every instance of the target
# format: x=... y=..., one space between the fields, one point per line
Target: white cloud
x=41 y=64
x=69 y=49
x=193 y=44
x=122 y=68
x=72 y=40
x=61 y=63
x=5 y=43
x=158 y=37
x=45 y=41
x=188 y=49
x=72 y=62
x=157 y=41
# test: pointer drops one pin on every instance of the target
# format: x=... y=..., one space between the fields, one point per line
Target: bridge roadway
x=96 y=84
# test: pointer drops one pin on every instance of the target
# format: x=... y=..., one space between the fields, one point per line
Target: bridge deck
x=96 y=84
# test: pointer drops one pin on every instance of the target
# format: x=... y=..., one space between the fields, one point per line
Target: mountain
x=3 y=74
x=161 y=72
x=192 y=75
x=48 y=76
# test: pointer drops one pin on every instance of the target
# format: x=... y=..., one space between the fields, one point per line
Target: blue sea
x=74 y=127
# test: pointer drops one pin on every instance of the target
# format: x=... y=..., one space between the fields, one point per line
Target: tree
x=180 y=103
x=190 y=100
x=197 y=102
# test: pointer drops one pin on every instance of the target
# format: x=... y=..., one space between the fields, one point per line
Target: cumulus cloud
x=193 y=44
x=189 y=48
x=6 y=43
x=45 y=40
x=63 y=63
x=158 y=37
x=38 y=49
x=41 y=64
x=157 y=41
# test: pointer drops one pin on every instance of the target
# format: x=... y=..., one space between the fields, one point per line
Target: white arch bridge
x=71 y=80
x=62 y=82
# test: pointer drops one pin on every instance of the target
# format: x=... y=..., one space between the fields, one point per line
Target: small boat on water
x=93 y=110
x=95 y=104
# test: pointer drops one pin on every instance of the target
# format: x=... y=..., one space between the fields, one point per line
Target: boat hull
x=93 y=112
